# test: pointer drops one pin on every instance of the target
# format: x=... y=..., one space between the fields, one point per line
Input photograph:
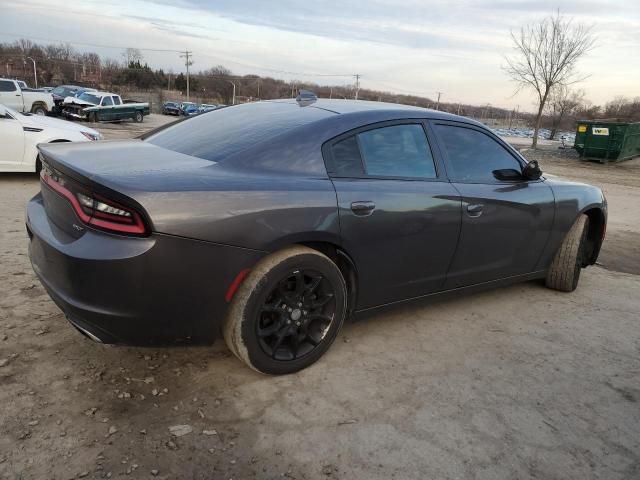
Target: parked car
x=21 y=99
x=63 y=91
x=103 y=106
x=273 y=222
x=170 y=108
x=185 y=105
x=205 y=107
x=190 y=110
x=21 y=132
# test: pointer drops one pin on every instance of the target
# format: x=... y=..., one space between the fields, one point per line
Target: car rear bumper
x=156 y=290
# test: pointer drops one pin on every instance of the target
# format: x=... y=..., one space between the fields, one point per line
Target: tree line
x=63 y=64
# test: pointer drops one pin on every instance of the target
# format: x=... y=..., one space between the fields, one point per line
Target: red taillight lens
x=94 y=209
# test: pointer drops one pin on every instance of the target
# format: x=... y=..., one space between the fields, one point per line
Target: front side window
x=7 y=86
x=106 y=101
x=397 y=151
x=473 y=156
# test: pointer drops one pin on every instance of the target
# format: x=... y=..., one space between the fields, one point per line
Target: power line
x=88 y=44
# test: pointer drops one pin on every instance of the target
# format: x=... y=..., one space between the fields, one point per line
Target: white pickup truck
x=14 y=96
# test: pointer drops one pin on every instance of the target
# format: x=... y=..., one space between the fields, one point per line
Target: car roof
x=341 y=107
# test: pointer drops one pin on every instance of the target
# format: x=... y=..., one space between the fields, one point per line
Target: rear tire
x=564 y=272
x=138 y=117
x=287 y=312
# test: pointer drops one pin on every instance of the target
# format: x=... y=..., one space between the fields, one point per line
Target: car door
x=12 y=141
x=399 y=217
x=106 y=112
x=117 y=112
x=506 y=219
x=10 y=96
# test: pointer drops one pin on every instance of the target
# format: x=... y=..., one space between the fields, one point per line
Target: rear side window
x=7 y=86
x=346 y=158
x=116 y=100
x=393 y=151
x=472 y=156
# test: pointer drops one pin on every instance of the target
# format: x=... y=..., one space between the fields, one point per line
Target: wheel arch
x=595 y=234
x=345 y=263
x=39 y=103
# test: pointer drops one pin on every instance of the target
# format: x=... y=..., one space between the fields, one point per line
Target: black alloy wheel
x=296 y=316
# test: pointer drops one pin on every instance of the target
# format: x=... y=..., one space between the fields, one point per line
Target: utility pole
x=459 y=108
x=187 y=63
x=357 y=77
x=35 y=72
x=438 y=102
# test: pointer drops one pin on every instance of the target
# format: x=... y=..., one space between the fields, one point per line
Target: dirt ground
x=522 y=382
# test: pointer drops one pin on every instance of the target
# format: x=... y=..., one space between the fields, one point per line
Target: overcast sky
x=410 y=46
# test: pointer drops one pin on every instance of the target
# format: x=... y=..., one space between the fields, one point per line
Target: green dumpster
x=607 y=141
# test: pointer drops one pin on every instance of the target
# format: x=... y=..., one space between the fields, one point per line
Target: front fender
x=573 y=199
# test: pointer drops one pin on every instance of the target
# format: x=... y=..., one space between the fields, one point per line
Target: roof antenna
x=306 y=97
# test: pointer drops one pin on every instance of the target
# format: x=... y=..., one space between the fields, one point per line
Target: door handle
x=363 y=208
x=474 y=210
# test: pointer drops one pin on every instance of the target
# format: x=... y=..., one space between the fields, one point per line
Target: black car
x=170 y=108
x=274 y=221
x=63 y=91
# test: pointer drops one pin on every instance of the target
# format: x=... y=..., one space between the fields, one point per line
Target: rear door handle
x=474 y=210
x=363 y=208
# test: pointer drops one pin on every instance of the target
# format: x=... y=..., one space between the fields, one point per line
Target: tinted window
x=7 y=86
x=397 y=151
x=107 y=101
x=116 y=100
x=346 y=159
x=227 y=131
x=473 y=155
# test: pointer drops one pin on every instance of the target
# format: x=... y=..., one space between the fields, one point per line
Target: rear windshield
x=227 y=131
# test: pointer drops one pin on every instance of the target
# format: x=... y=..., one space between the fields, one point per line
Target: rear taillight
x=93 y=209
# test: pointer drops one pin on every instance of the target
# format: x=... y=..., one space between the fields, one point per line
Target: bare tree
x=561 y=103
x=546 y=56
x=132 y=55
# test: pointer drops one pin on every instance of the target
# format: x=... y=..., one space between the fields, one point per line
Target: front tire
x=287 y=312
x=39 y=110
x=564 y=272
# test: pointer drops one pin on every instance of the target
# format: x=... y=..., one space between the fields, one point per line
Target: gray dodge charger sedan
x=273 y=222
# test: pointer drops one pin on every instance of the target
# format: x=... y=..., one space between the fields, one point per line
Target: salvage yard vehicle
x=12 y=95
x=185 y=105
x=170 y=108
x=103 y=106
x=274 y=221
x=21 y=132
x=63 y=91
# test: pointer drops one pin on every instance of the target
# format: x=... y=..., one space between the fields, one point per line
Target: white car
x=21 y=132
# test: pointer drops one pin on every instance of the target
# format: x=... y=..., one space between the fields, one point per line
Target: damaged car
x=103 y=106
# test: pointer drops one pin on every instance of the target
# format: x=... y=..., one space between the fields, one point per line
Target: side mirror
x=507 y=175
x=532 y=170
